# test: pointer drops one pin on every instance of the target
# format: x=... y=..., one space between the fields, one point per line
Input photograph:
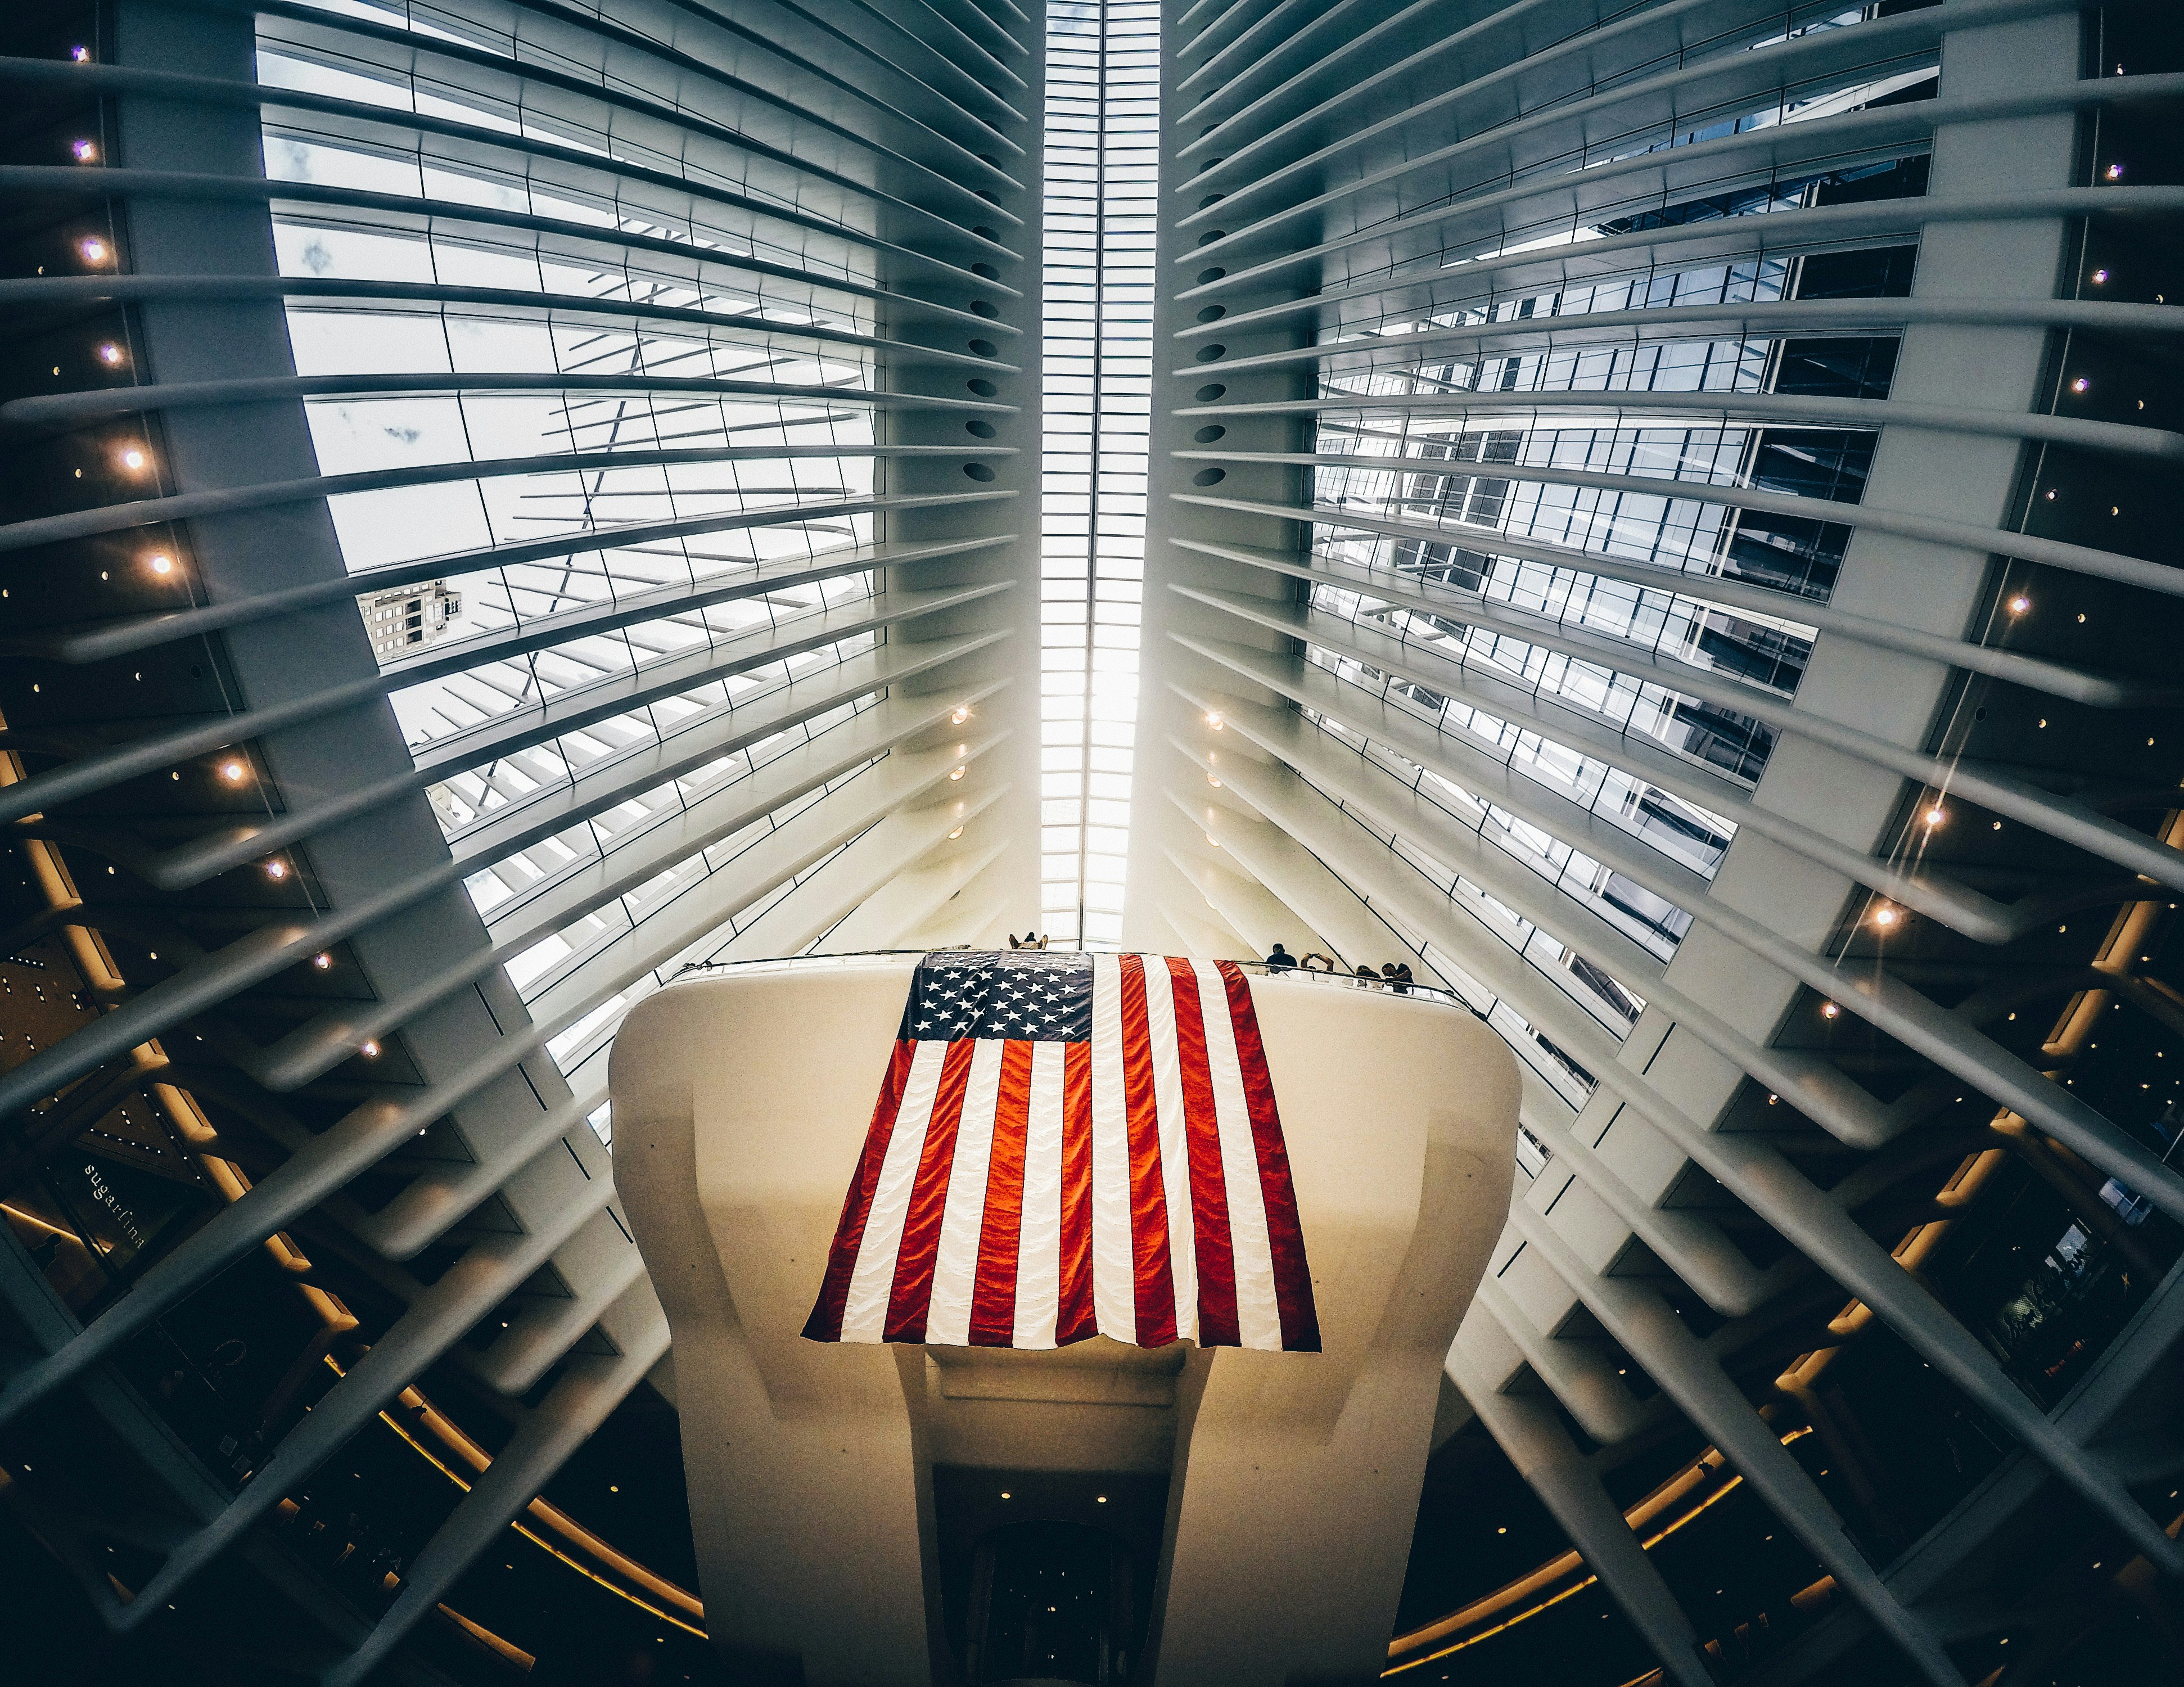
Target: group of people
x=1395 y=976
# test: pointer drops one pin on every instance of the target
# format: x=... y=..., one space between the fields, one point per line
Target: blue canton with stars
x=1029 y=995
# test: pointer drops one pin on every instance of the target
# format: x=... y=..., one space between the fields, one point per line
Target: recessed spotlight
x=1936 y=815
x=322 y=961
x=2099 y=276
x=957 y=833
x=277 y=868
x=2020 y=604
x=1830 y=1011
x=162 y=565
x=133 y=459
x=956 y=774
x=2114 y=172
x=371 y=1051
x=2081 y=385
x=1885 y=916
x=1215 y=721
x=93 y=250
x=230 y=771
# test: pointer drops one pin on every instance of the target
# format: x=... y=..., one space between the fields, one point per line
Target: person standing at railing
x=1398 y=975
x=1281 y=960
x=1368 y=976
x=1317 y=962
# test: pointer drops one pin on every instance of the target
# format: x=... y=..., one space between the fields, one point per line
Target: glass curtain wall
x=1102 y=171
x=570 y=583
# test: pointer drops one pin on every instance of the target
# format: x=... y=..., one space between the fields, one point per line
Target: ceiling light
x=2099 y=276
x=1936 y=815
x=1830 y=1011
x=322 y=961
x=110 y=353
x=1214 y=722
x=957 y=833
x=956 y=774
x=1885 y=916
x=277 y=868
x=133 y=459
x=2081 y=385
x=230 y=771
x=959 y=716
x=371 y=1051
x=93 y=250
x=2115 y=172
x=2019 y=604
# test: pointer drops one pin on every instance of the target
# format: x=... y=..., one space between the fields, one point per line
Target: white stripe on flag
x=1258 y=1313
x=1114 y=1275
x=1174 y=1143
x=956 y=1261
x=864 y=1313
x=1039 y=1246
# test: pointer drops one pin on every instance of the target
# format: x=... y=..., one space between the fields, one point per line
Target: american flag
x=1069 y=1146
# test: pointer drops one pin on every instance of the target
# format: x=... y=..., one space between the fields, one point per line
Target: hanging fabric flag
x=1069 y=1146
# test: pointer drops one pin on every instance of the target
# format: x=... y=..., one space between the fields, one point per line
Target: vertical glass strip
x=1102 y=179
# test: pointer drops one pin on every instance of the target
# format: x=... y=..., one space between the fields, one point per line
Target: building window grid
x=1445 y=474
x=389 y=531
x=1101 y=113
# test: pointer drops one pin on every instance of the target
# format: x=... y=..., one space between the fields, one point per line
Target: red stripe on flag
x=911 y=1297
x=1284 y=1235
x=994 y=1292
x=1217 y=1325
x=1152 y=1267
x=825 y=1324
x=1075 y=1320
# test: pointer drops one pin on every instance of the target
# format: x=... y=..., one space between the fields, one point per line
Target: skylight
x=1102 y=169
